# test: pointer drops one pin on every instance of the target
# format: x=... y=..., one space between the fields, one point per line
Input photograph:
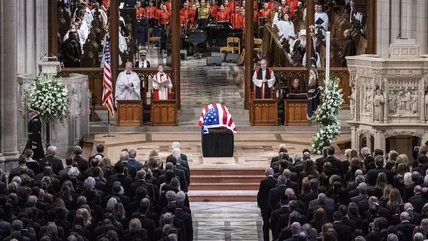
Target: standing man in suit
x=262 y=200
x=344 y=233
x=81 y=162
x=54 y=162
x=275 y=194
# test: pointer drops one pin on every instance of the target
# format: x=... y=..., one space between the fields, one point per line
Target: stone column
x=421 y=26
x=355 y=139
x=379 y=140
x=383 y=28
x=8 y=75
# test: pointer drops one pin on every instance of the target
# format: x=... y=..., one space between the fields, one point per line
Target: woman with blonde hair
x=86 y=216
x=135 y=231
x=155 y=165
x=381 y=183
x=106 y=167
x=395 y=202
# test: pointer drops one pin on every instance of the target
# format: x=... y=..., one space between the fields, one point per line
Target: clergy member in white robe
x=162 y=85
x=319 y=14
x=128 y=85
x=286 y=28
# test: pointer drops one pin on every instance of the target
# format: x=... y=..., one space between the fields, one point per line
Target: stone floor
x=226 y=221
x=254 y=146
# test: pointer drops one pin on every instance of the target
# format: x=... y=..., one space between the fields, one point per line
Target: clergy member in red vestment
x=222 y=15
x=263 y=81
x=235 y=18
x=162 y=85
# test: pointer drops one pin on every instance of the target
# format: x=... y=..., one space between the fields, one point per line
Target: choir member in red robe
x=222 y=16
x=235 y=19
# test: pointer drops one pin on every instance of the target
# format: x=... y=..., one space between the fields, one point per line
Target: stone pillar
x=355 y=139
x=421 y=26
x=8 y=73
x=175 y=49
x=32 y=44
x=383 y=28
x=379 y=140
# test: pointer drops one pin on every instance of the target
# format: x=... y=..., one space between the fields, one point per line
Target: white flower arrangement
x=50 y=96
x=326 y=116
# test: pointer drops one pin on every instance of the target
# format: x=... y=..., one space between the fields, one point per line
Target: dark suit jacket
x=373 y=173
x=263 y=195
x=4 y=229
x=125 y=181
x=275 y=218
x=407 y=230
x=182 y=178
x=187 y=219
x=330 y=202
x=292 y=185
x=351 y=223
x=56 y=164
x=320 y=162
x=275 y=195
x=358 y=198
x=344 y=233
x=186 y=173
x=312 y=195
x=102 y=186
x=369 y=163
x=418 y=202
x=336 y=163
x=82 y=163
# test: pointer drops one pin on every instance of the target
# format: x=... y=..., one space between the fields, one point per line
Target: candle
x=327 y=56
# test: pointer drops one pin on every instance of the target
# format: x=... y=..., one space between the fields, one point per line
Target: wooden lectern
x=129 y=113
x=264 y=112
x=164 y=113
x=296 y=112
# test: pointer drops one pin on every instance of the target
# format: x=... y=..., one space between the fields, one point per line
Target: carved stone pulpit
x=389 y=97
x=63 y=136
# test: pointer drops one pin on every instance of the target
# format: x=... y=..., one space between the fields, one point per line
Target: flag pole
x=108 y=128
x=327 y=61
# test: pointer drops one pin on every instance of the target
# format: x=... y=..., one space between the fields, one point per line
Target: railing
x=95 y=76
x=273 y=48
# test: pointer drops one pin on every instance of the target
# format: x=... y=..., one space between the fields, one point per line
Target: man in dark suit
x=178 y=172
x=314 y=183
x=289 y=183
x=418 y=201
x=187 y=219
x=371 y=176
x=4 y=226
x=344 y=233
x=336 y=163
x=320 y=161
x=81 y=162
x=120 y=176
x=328 y=201
x=263 y=200
x=275 y=194
x=54 y=162
x=284 y=209
x=63 y=174
x=405 y=226
x=281 y=149
x=345 y=217
x=22 y=166
x=322 y=204
x=100 y=151
x=362 y=188
x=183 y=158
x=99 y=184
x=368 y=159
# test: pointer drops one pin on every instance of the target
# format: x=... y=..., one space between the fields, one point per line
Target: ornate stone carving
x=379 y=102
x=426 y=105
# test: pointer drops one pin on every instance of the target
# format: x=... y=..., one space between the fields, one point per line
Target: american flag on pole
x=214 y=116
x=107 y=83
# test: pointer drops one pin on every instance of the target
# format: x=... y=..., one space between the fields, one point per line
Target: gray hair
x=365 y=151
x=111 y=202
x=124 y=156
x=418 y=237
x=404 y=216
x=89 y=183
x=362 y=187
x=286 y=173
x=373 y=200
x=51 y=151
x=99 y=158
x=180 y=196
x=167 y=218
x=176 y=153
x=132 y=153
x=141 y=174
x=408 y=207
x=392 y=237
x=128 y=64
x=407 y=179
x=269 y=171
x=32 y=200
x=358 y=172
x=175 y=145
x=360 y=179
x=295 y=228
x=322 y=198
x=170 y=196
x=281 y=180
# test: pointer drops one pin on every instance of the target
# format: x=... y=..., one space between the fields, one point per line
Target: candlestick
x=327 y=56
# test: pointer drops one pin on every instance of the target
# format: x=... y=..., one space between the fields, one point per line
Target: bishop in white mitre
x=128 y=85
x=162 y=85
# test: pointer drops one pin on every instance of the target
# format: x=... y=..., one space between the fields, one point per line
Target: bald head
x=269 y=172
